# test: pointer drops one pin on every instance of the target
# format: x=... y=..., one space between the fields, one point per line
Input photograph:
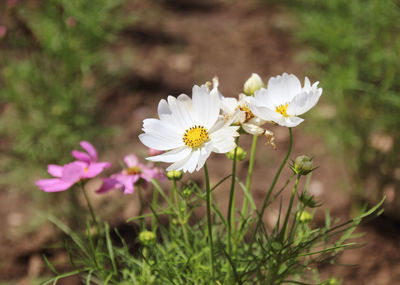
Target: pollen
x=195 y=136
x=133 y=170
x=249 y=114
x=281 y=109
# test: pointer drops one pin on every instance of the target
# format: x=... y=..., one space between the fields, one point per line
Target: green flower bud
x=253 y=84
x=174 y=175
x=302 y=165
x=304 y=217
x=147 y=238
x=308 y=201
x=187 y=192
x=332 y=281
x=240 y=154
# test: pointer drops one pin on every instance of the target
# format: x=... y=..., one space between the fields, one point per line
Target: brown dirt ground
x=179 y=43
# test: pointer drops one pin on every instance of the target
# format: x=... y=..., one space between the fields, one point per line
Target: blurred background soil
x=177 y=44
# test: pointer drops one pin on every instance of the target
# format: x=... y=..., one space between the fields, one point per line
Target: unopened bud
x=174 y=175
x=302 y=165
x=308 y=201
x=147 y=238
x=240 y=154
x=332 y=281
x=304 y=217
x=253 y=84
x=187 y=192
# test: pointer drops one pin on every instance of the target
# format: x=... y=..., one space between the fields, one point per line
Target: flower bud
x=332 y=281
x=308 y=201
x=253 y=84
x=187 y=192
x=302 y=165
x=174 y=175
x=304 y=217
x=147 y=238
x=240 y=154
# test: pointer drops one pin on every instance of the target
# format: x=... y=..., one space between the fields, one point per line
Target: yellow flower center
x=195 y=136
x=281 y=109
x=246 y=109
x=133 y=170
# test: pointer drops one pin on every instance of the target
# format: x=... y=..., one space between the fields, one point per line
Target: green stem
x=178 y=213
x=209 y=225
x=290 y=207
x=231 y=205
x=271 y=188
x=248 y=179
x=89 y=206
x=139 y=189
x=154 y=205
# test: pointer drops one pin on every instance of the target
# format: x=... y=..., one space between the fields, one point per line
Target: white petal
x=228 y=105
x=289 y=122
x=172 y=156
x=155 y=141
x=180 y=111
x=161 y=127
x=206 y=106
x=205 y=152
x=252 y=129
x=163 y=108
x=192 y=162
x=303 y=102
x=264 y=113
x=284 y=87
x=223 y=139
x=264 y=98
x=188 y=164
x=179 y=164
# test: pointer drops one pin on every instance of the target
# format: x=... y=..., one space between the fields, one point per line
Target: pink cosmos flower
x=132 y=175
x=67 y=175
x=93 y=168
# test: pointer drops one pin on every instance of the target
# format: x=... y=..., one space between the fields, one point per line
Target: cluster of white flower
x=189 y=129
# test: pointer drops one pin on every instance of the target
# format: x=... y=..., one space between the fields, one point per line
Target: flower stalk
x=209 y=221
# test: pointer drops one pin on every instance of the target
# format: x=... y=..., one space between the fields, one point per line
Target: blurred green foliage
x=53 y=69
x=353 y=48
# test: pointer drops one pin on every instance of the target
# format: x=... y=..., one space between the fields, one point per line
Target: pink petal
x=53 y=185
x=129 y=183
x=95 y=169
x=55 y=170
x=79 y=155
x=108 y=184
x=73 y=172
x=131 y=160
x=90 y=150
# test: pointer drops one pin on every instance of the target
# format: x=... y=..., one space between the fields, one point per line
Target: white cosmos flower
x=190 y=129
x=284 y=99
x=238 y=112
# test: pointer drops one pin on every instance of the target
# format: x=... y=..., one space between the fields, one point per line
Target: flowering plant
x=232 y=248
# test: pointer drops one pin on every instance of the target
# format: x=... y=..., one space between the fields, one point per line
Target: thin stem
x=290 y=206
x=231 y=205
x=89 y=205
x=248 y=179
x=209 y=225
x=178 y=213
x=139 y=189
x=271 y=188
x=154 y=204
